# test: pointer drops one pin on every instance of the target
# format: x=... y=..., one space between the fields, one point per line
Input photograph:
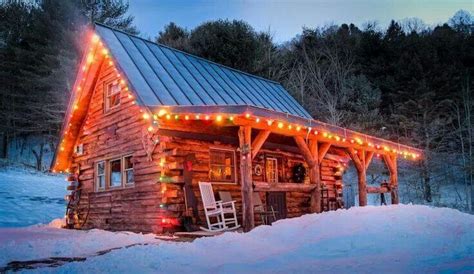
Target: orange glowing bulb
x=161 y=112
x=231 y=118
x=186 y=117
x=219 y=118
x=95 y=38
x=207 y=117
x=257 y=120
x=146 y=116
x=105 y=51
x=168 y=116
x=280 y=125
x=247 y=115
x=90 y=58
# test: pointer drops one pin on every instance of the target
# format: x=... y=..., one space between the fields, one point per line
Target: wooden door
x=278 y=201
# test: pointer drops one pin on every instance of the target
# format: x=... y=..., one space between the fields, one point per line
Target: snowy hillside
x=400 y=239
x=30 y=198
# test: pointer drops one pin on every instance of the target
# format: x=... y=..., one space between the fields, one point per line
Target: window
x=271 y=168
x=114 y=173
x=222 y=165
x=128 y=170
x=100 y=178
x=112 y=95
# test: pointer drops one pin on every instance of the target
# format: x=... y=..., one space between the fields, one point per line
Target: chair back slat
x=207 y=195
x=225 y=196
x=257 y=202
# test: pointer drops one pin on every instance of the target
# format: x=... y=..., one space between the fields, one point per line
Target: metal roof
x=161 y=75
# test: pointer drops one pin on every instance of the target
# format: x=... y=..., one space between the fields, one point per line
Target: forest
x=409 y=82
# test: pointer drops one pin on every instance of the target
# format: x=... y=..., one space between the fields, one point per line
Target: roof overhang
x=285 y=124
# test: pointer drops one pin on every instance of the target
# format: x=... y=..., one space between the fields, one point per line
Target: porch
x=315 y=141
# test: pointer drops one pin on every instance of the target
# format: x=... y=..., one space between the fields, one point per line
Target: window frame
x=107 y=96
x=233 y=181
x=108 y=173
x=124 y=171
x=267 y=178
x=97 y=175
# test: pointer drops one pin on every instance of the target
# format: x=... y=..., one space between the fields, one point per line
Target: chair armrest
x=226 y=203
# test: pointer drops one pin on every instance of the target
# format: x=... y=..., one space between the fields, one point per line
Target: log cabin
x=146 y=123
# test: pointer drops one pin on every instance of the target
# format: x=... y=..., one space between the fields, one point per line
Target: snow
x=403 y=238
x=29 y=198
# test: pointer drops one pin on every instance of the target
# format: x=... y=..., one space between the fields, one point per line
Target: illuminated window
x=271 y=168
x=222 y=165
x=100 y=175
x=112 y=95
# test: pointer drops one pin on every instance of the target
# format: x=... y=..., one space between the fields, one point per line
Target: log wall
x=158 y=190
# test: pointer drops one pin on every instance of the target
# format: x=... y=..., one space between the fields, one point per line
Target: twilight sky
x=285 y=18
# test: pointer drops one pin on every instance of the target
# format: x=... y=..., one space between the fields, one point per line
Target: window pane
x=101 y=182
x=129 y=179
x=100 y=168
x=115 y=173
x=128 y=162
x=114 y=100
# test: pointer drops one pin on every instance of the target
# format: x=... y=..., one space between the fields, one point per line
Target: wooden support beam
x=257 y=143
x=359 y=163
x=310 y=154
x=375 y=189
x=323 y=149
x=315 y=178
x=246 y=177
x=391 y=163
x=308 y=157
x=368 y=158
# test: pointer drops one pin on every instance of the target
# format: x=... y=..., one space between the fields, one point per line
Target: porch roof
x=285 y=124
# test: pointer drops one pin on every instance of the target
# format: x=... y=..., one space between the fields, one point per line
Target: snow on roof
x=161 y=75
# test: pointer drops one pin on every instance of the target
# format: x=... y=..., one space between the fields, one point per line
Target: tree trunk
x=4 y=146
x=426 y=181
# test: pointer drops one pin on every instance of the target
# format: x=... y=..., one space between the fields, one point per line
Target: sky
x=285 y=18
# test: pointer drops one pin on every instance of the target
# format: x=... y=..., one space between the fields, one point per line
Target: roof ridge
x=189 y=54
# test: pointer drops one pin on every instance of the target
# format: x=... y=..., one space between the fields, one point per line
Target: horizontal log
x=375 y=189
x=265 y=186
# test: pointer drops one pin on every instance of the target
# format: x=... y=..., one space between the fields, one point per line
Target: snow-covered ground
x=400 y=239
x=28 y=198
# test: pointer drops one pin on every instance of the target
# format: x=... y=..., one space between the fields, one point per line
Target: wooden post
x=315 y=178
x=310 y=154
x=246 y=177
x=391 y=163
x=360 y=165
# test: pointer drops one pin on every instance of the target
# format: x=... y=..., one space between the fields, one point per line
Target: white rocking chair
x=217 y=210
